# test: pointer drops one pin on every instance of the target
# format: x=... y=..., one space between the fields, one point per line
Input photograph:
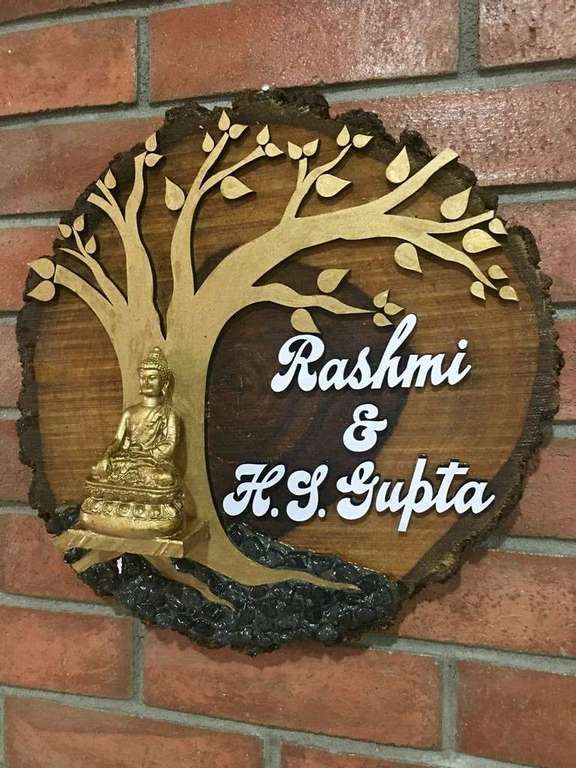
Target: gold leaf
x=311 y=148
x=329 y=279
x=477 y=289
x=381 y=299
x=152 y=159
x=232 y=188
x=328 y=185
x=399 y=169
x=43 y=267
x=174 y=196
x=294 y=151
x=496 y=272
x=224 y=122
x=361 y=140
x=208 y=143
x=497 y=227
x=237 y=130
x=65 y=230
x=301 y=320
x=151 y=143
x=90 y=245
x=380 y=320
x=264 y=136
x=109 y=180
x=343 y=138
x=272 y=150
x=455 y=206
x=508 y=293
x=78 y=223
x=406 y=256
x=44 y=291
x=478 y=240
x=392 y=309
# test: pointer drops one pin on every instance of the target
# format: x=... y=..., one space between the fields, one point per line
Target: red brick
x=514 y=601
x=546 y=506
x=524 y=31
x=518 y=135
x=30 y=564
x=15 y=477
x=74 y=653
x=17 y=9
x=554 y=227
x=294 y=756
x=45 y=168
x=87 y=64
x=41 y=734
x=301 y=42
x=17 y=248
x=517 y=715
x=567 y=343
x=10 y=370
x=341 y=692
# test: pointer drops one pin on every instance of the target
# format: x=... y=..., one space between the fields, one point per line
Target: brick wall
x=478 y=673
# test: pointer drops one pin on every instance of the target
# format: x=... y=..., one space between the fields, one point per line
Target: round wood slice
x=494 y=420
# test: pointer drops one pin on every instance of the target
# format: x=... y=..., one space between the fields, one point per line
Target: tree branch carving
x=278 y=293
x=373 y=220
x=181 y=249
x=89 y=295
x=139 y=275
x=105 y=284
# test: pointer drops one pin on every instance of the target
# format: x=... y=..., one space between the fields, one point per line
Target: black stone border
x=267 y=616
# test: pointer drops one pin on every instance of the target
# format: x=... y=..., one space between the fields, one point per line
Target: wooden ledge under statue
x=136 y=500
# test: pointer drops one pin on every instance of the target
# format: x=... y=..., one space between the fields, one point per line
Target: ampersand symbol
x=362 y=434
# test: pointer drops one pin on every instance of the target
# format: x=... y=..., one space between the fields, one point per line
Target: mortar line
x=529 y=545
x=9 y=413
x=468 y=42
x=334 y=744
x=30 y=220
x=449 y=706
x=512 y=77
x=16 y=508
x=143 y=63
x=492 y=656
x=565 y=312
x=564 y=430
x=105 y=113
x=138 y=661
x=271 y=751
x=55 y=605
x=533 y=193
x=335 y=93
x=3 y=755
x=110 y=10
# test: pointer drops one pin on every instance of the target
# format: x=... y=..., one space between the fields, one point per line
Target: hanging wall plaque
x=280 y=371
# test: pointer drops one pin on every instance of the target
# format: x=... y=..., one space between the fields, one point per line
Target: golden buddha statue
x=134 y=490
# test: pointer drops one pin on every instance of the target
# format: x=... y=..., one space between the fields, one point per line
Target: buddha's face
x=151 y=383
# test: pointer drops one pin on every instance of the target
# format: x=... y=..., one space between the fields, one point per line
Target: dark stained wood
x=494 y=421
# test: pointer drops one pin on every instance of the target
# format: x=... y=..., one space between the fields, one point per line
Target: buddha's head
x=155 y=374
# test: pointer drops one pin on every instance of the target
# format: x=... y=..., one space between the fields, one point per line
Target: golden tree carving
x=132 y=320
